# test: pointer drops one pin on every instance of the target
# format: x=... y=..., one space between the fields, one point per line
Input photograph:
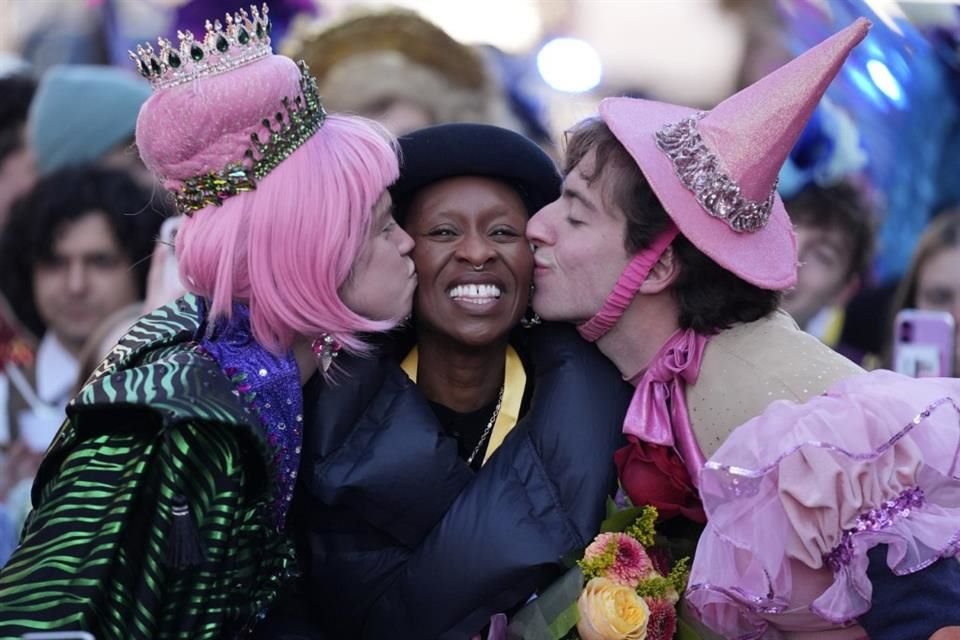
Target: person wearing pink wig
x=831 y=496
x=160 y=510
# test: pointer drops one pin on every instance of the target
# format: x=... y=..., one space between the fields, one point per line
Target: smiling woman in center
x=449 y=475
x=475 y=268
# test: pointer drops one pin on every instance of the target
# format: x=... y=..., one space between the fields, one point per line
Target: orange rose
x=609 y=611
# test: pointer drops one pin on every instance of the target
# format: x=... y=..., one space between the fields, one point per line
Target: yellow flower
x=609 y=611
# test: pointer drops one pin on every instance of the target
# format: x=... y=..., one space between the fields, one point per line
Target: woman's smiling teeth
x=475 y=293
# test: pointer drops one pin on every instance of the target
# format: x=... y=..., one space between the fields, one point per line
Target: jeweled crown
x=244 y=39
x=287 y=131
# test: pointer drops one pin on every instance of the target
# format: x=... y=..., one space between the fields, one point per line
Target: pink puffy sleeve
x=797 y=496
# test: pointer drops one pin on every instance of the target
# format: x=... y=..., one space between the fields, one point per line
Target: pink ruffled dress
x=797 y=496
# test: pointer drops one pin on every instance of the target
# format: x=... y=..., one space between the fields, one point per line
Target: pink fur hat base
x=205 y=125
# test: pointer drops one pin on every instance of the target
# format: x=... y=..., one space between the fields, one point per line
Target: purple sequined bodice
x=270 y=386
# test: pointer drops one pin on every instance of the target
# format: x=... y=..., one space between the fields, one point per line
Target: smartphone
x=923 y=344
x=168 y=236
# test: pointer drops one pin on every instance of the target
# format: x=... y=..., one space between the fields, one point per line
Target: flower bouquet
x=624 y=587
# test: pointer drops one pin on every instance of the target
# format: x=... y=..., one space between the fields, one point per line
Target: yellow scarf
x=514 y=380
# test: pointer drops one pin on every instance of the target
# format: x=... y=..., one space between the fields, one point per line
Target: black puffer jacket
x=400 y=539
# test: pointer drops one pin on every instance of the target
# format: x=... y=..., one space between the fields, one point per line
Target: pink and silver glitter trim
x=699 y=170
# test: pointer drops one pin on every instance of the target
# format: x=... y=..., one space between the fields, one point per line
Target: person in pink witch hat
x=831 y=496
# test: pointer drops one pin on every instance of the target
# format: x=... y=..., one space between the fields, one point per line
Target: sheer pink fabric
x=803 y=488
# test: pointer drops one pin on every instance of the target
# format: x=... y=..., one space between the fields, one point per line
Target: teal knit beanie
x=81 y=112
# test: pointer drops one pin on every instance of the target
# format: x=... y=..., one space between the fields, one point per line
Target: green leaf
x=620 y=520
x=612 y=507
x=566 y=621
x=685 y=631
x=548 y=616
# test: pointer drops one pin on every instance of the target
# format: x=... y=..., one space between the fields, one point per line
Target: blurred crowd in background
x=85 y=242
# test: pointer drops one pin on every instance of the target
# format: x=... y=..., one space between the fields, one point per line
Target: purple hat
x=716 y=172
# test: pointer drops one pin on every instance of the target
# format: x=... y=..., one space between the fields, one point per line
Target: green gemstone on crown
x=144 y=69
x=243 y=37
x=259 y=30
x=155 y=66
x=222 y=44
x=196 y=53
x=173 y=60
x=292 y=129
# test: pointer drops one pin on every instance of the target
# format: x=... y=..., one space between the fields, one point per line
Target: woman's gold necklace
x=488 y=428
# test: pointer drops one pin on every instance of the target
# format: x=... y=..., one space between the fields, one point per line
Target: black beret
x=464 y=149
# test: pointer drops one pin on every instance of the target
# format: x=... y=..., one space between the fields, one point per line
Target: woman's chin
x=476 y=337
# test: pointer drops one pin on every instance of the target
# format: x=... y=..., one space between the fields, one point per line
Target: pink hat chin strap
x=628 y=284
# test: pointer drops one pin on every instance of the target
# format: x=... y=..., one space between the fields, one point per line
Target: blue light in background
x=866 y=88
x=885 y=81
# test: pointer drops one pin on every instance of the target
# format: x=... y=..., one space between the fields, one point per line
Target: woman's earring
x=530 y=318
x=325 y=348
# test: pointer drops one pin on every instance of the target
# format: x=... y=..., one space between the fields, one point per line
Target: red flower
x=663 y=619
x=660 y=559
x=655 y=475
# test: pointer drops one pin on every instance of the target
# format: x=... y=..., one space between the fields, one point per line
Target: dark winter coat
x=400 y=539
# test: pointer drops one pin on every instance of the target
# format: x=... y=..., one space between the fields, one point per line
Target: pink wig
x=286 y=248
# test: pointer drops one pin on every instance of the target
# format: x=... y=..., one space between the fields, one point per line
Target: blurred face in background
x=85 y=279
x=938 y=289
x=399 y=116
x=823 y=278
x=124 y=157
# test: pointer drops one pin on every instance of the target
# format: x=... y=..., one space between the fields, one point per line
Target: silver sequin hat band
x=700 y=171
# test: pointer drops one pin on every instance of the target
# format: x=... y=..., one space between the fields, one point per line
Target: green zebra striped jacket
x=158 y=426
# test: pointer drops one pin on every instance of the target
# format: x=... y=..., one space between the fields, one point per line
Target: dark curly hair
x=65 y=197
x=16 y=92
x=710 y=297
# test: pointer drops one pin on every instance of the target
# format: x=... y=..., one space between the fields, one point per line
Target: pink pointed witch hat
x=716 y=172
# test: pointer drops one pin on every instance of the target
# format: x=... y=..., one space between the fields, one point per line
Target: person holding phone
x=161 y=508
x=932 y=283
